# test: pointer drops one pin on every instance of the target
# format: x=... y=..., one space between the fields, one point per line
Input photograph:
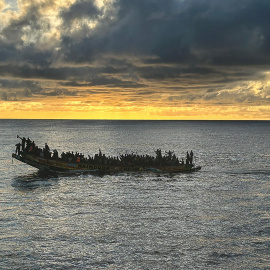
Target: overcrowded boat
x=50 y=161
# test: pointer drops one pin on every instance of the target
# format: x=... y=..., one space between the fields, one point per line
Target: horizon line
x=104 y=119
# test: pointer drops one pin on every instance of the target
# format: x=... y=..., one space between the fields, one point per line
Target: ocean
x=217 y=218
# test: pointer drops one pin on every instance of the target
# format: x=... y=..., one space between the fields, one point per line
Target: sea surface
x=217 y=218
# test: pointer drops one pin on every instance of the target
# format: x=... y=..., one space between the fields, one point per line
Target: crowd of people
x=28 y=146
x=128 y=159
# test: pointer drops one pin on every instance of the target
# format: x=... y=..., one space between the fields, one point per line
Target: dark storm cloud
x=193 y=32
x=6 y=52
x=192 y=42
x=150 y=40
x=104 y=81
x=29 y=72
x=15 y=84
x=14 y=47
x=113 y=82
x=59 y=92
x=49 y=73
x=198 y=32
x=18 y=89
x=10 y=54
x=14 y=31
x=80 y=9
x=165 y=72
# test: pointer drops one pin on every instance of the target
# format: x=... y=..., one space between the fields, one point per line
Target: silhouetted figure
x=28 y=142
x=46 y=151
x=23 y=143
x=55 y=154
x=191 y=157
x=18 y=148
x=47 y=148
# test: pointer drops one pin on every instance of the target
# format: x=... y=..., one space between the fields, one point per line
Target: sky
x=135 y=59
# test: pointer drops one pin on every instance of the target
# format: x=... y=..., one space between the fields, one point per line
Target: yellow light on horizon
x=80 y=110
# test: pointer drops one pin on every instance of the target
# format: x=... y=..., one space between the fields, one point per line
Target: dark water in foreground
x=217 y=218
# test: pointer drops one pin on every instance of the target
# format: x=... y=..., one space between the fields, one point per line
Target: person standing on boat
x=191 y=157
x=55 y=154
x=32 y=146
x=47 y=148
x=23 y=143
x=28 y=142
x=18 y=148
x=46 y=151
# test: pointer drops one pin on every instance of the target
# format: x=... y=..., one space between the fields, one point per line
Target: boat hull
x=59 y=165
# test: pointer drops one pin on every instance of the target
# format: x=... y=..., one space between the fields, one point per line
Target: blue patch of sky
x=12 y=4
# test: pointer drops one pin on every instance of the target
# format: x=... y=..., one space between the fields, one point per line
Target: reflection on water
x=36 y=176
x=34 y=180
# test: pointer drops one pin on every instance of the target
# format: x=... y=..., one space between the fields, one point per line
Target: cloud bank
x=168 y=53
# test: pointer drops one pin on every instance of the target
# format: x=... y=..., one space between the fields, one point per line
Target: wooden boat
x=60 y=165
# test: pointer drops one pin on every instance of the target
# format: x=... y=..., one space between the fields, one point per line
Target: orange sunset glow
x=116 y=59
